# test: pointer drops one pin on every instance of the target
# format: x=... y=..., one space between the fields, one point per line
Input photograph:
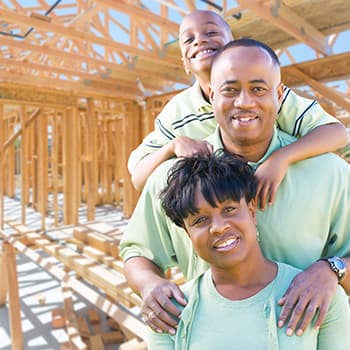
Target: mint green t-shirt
x=309 y=219
x=213 y=322
x=189 y=114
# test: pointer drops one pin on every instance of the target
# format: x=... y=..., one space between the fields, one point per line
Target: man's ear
x=280 y=90
x=211 y=94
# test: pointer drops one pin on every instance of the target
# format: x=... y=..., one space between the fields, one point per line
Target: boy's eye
x=187 y=41
x=212 y=33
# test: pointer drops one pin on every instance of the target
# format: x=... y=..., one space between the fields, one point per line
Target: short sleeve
x=298 y=115
x=335 y=331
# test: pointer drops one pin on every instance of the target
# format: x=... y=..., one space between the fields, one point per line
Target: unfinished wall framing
x=58 y=144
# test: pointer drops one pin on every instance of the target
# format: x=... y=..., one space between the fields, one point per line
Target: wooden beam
x=139 y=13
x=87 y=36
x=336 y=96
x=130 y=71
x=286 y=19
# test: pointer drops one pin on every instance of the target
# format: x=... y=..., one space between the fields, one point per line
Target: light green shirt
x=189 y=114
x=211 y=321
x=309 y=219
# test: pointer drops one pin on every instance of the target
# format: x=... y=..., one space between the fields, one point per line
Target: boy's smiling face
x=201 y=34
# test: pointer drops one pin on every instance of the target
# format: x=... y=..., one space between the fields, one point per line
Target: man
x=308 y=221
x=188 y=117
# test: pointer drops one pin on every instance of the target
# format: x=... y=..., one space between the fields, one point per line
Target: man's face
x=246 y=94
x=201 y=34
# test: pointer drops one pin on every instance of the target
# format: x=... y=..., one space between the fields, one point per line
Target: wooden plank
x=125 y=319
x=3 y=279
x=71 y=319
x=13 y=297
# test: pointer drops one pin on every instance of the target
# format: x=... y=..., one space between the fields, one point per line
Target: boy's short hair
x=220 y=176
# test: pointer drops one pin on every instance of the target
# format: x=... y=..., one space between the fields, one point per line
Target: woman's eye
x=229 y=209
x=198 y=220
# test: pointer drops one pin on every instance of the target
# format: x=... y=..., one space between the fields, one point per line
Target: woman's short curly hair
x=220 y=176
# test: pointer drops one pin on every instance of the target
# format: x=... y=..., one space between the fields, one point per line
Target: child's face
x=223 y=236
x=202 y=33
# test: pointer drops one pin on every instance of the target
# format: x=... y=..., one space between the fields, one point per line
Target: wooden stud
x=13 y=297
x=3 y=279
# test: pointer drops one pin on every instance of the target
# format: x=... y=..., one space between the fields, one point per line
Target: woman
x=234 y=304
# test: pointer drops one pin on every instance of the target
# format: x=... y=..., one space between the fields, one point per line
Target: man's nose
x=244 y=99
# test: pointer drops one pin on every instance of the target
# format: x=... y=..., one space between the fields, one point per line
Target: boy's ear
x=186 y=66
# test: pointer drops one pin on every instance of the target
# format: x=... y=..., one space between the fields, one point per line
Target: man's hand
x=160 y=313
x=270 y=175
x=184 y=146
x=311 y=290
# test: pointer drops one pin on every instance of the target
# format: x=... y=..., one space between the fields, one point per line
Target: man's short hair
x=220 y=176
x=247 y=42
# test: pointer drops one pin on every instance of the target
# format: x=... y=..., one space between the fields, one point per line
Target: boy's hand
x=270 y=175
x=310 y=291
x=158 y=310
x=184 y=146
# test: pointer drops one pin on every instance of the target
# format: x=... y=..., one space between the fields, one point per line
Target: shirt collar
x=196 y=95
x=216 y=141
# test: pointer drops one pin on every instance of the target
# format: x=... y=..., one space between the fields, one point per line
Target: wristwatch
x=337 y=265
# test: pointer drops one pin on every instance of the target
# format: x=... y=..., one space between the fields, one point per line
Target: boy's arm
x=182 y=146
x=324 y=138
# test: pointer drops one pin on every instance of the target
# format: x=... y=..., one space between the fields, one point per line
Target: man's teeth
x=226 y=243
x=245 y=119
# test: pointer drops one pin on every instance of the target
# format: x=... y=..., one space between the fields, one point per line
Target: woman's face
x=224 y=235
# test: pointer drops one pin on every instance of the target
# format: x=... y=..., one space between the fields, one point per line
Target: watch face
x=339 y=264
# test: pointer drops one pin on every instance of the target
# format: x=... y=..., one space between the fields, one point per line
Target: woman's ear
x=252 y=209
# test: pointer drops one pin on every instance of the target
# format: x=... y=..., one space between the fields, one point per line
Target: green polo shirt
x=189 y=114
x=309 y=219
x=211 y=321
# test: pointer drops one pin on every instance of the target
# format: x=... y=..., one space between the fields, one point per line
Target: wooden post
x=131 y=128
x=13 y=297
x=24 y=172
x=2 y=155
x=3 y=279
x=42 y=170
x=91 y=181
x=70 y=166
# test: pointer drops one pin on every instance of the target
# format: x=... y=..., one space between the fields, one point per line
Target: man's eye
x=259 y=89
